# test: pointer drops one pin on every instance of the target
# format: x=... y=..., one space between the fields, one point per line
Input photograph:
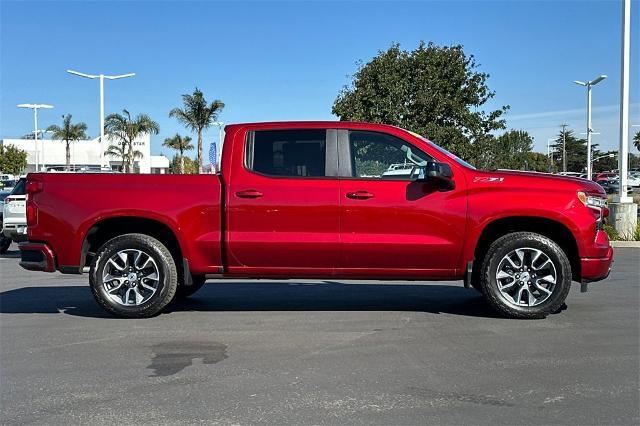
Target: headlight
x=598 y=206
x=591 y=201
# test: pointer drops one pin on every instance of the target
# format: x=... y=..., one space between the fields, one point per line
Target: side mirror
x=439 y=173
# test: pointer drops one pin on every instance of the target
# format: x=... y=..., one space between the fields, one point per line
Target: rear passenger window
x=297 y=153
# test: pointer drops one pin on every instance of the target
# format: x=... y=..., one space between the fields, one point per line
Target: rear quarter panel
x=189 y=205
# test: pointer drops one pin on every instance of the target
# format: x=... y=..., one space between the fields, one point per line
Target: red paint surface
x=309 y=227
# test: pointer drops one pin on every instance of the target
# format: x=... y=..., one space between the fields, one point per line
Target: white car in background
x=14 y=214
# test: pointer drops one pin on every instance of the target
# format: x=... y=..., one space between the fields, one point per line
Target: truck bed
x=72 y=207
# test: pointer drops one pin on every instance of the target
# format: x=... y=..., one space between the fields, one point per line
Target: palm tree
x=636 y=140
x=180 y=144
x=68 y=133
x=117 y=151
x=125 y=130
x=197 y=115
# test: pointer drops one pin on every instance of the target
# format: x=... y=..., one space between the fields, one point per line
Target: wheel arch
x=106 y=229
x=552 y=229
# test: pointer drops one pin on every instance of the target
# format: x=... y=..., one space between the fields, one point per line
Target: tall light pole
x=623 y=158
x=624 y=212
x=101 y=77
x=35 y=108
x=589 y=85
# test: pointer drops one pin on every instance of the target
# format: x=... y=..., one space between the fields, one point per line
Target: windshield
x=447 y=153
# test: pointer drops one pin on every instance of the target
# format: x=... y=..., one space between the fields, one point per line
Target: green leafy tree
x=124 y=130
x=12 y=159
x=180 y=144
x=197 y=115
x=68 y=133
x=636 y=140
x=512 y=150
x=537 y=162
x=180 y=164
x=576 y=151
x=436 y=91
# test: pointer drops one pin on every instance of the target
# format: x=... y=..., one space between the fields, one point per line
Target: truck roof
x=316 y=124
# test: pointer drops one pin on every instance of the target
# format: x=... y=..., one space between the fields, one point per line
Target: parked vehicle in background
x=315 y=200
x=14 y=219
x=604 y=176
x=571 y=174
x=8 y=185
x=5 y=242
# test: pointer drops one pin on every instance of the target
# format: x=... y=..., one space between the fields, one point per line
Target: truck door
x=391 y=225
x=282 y=203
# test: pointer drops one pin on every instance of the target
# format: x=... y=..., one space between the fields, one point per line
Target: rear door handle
x=249 y=193
x=359 y=195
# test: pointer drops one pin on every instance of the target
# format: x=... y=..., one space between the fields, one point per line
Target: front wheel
x=525 y=275
x=133 y=276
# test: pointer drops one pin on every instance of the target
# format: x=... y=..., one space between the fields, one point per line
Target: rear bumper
x=37 y=257
x=598 y=268
x=16 y=231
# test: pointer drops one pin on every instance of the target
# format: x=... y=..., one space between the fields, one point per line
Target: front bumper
x=598 y=268
x=37 y=257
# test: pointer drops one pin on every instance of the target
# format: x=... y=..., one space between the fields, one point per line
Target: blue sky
x=288 y=60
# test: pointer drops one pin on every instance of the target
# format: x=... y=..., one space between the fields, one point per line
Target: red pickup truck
x=335 y=200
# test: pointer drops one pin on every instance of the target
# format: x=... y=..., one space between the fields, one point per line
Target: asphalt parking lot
x=302 y=352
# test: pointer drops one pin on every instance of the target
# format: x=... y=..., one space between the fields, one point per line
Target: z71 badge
x=487 y=179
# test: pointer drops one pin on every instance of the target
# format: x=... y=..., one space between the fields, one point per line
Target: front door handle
x=249 y=193
x=359 y=195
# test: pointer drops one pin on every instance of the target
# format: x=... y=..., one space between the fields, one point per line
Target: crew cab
x=339 y=200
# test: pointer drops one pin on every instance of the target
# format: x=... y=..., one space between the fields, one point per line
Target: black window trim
x=331 y=154
x=344 y=158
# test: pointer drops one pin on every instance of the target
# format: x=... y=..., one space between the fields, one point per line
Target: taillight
x=32 y=214
x=34 y=186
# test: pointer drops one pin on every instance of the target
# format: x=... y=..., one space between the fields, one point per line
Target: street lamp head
x=81 y=74
x=35 y=106
x=597 y=80
x=581 y=83
x=115 y=77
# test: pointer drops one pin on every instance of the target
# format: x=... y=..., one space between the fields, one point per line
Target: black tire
x=521 y=240
x=185 y=291
x=5 y=243
x=167 y=281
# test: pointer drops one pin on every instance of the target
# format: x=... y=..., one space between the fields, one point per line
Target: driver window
x=381 y=156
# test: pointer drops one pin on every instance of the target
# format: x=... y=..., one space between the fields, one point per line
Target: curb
x=627 y=244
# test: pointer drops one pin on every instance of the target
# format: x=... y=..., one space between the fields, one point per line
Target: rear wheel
x=525 y=275
x=133 y=276
x=185 y=291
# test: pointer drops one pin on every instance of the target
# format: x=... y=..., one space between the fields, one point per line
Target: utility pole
x=564 y=148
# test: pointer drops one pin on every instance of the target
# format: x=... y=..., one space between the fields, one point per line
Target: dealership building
x=48 y=154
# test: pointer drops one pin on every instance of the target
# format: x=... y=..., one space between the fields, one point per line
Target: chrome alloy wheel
x=526 y=277
x=131 y=277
